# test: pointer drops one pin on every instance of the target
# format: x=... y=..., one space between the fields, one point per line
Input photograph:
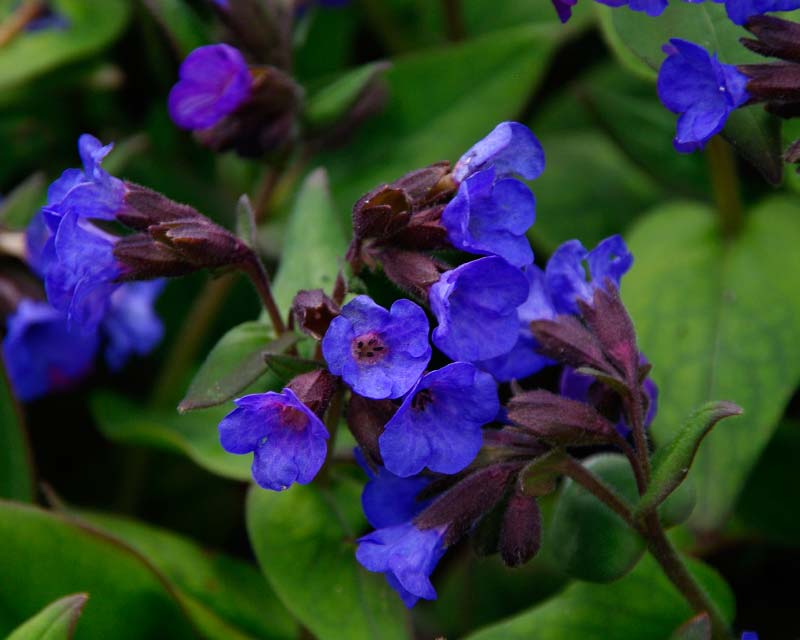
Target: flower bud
x=313 y=312
x=521 y=530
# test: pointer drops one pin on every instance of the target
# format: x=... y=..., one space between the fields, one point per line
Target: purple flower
x=288 y=441
x=387 y=499
x=573 y=273
x=524 y=360
x=578 y=386
x=564 y=8
x=42 y=354
x=214 y=81
x=131 y=325
x=406 y=556
x=650 y=7
x=701 y=89
x=510 y=149
x=749 y=635
x=476 y=307
x=379 y=353
x=438 y=426
x=740 y=10
x=490 y=217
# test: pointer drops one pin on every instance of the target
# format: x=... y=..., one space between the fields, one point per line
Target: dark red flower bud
x=567 y=340
x=315 y=389
x=412 y=271
x=366 y=419
x=313 y=312
x=560 y=420
x=262 y=29
x=775 y=38
x=521 y=530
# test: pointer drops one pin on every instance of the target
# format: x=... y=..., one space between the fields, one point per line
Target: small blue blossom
x=740 y=10
x=749 y=635
x=564 y=8
x=577 y=386
x=650 y=7
x=214 y=81
x=288 y=441
x=438 y=426
x=573 y=273
x=40 y=352
x=476 y=308
x=700 y=88
x=131 y=325
x=510 y=149
x=407 y=557
x=488 y=216
x=379 y=353
x=524 y=360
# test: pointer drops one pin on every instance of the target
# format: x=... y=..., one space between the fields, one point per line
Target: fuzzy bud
x=521 y=530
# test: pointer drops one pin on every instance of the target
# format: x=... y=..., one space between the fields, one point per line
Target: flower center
x=292 y=418
x=421 y=400
x=368 y=349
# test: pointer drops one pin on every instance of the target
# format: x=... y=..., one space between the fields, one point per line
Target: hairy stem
x=332 y=418
x=23 y=15
x=258 y=276
x=725 y=185
x=636 y=416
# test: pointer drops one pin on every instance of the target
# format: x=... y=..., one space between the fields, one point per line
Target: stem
x=630 y=454
x=195 y=327
x=455 y=20
x=25 y=13
x=594 y=485
x=725 y=185
x=675 y=569
x=332 y=419
x=636 y=416
x=258 y=276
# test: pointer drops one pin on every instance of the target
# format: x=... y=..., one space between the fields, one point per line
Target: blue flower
x=524 y=360
x=749 y=635
x=740 y=10
x=510 y=149
x=407 y=557
x=701 y=89
x=564 y=8
x=573 y=273
x=488 y=216
x=214 y=81
x=131 y=325
x=650 y=7
x=476 y=307
x=438 y=426
x=379 y=353
x=387 y=499
x=577 y=386
x=288 y=441
x=40 y=352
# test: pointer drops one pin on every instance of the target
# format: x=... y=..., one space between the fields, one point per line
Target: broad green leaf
x=588 y=539
x=717 y=320
x=16 y=472
x=226 y=597
x=673 y=460
x=751 y=130
x=193 y=435
x=44 y=556
x=325 y=106
x=483 y=16
x=235 y=362
x=55 y=622
x=32 y=53
x=314 y=243
x=641 y=606
x=19 y=206
x=304 y=539
x=442 y=102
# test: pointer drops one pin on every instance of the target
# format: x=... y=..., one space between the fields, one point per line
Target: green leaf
x=18 y=207
x=641 y=606
x=717 y=320
x=304 y=539
x=235 y=362
x=588 y=539
x=16 y=472
x=325 y=106
x=193 y=435
x=246 y=226
x=442 y=102
x=30 y=54
x=314 y=243
x=751 y=130
x=44 y=556
x=55 y=622
x=672 y=461
x=226 y=597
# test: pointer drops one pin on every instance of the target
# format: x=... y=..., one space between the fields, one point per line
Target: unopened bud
x=521 y=531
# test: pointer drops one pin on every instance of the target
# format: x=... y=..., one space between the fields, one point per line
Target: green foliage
x=193 y=435
x=717 y=319
x=19 y=206
x=88 y=31
x=225 y=597
x=672 y=462
x=16 y=474
x=641 y=606
x=589 y=540
x=44 y=556
x=304 y=540
x=55 y=622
